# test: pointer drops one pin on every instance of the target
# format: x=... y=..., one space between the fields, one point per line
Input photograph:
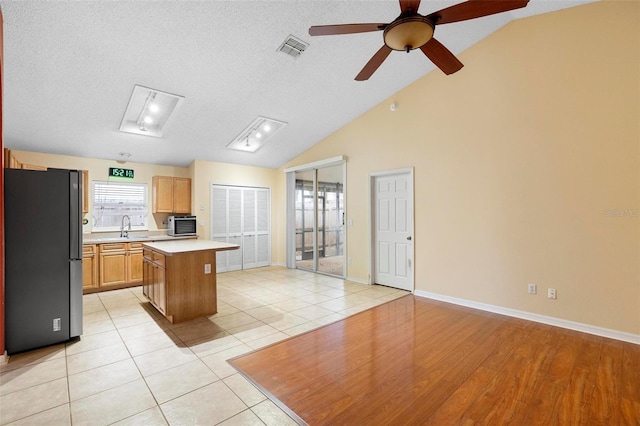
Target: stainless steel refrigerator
x=43 y=257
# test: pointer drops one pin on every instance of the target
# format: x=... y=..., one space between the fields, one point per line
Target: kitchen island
x=110 y=262
x=179 y=277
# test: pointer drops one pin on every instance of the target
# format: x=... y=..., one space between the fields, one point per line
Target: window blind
x=113 y=200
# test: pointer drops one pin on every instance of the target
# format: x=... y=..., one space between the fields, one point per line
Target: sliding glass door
x=319 y=216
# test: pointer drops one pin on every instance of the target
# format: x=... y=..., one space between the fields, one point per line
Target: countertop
x=144 y=236
x=183 y=246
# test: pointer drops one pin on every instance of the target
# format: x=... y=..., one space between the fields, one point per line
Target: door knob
x=409 y=238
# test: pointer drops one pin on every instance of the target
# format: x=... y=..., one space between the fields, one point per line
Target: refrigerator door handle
x=75 y=214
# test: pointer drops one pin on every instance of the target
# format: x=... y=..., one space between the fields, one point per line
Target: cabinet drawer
x=89 y=249
x=147 y=255
x=158 y=259
x=112 y=247
x=135 y=246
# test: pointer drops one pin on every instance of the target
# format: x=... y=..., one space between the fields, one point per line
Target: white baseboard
x=4 y=358
x=558 y=322
x=357 y=280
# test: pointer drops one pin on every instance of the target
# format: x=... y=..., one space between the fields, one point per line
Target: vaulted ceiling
x=70 y=68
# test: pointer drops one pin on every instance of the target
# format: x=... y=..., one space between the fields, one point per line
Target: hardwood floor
x=417 y=361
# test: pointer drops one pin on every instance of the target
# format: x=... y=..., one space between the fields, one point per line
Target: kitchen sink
x=107 y=239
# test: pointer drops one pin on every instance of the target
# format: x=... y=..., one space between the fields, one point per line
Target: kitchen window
x=113 y=200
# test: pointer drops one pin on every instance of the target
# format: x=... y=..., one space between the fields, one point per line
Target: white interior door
x=393 y=229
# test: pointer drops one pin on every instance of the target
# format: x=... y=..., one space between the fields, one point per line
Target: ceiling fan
x=411 y=31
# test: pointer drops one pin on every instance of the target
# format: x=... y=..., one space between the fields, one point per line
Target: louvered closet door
x=226 y=225
x=263 y=237
x=219 y=225
x=240 y=215
x=255 y=233
x=235 y=228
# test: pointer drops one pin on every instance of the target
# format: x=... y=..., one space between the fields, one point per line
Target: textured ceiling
x=70 y=67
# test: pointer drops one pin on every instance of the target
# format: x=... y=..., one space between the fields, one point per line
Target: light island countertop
x=170 y=248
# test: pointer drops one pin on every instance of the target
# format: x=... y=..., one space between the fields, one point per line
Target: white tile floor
x=132 y=367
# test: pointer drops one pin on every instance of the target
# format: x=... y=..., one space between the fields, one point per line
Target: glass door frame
x=291 y=213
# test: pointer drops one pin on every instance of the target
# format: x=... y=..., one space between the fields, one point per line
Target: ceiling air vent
x=293 y=46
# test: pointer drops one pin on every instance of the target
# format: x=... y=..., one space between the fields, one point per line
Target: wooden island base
x=179 y=277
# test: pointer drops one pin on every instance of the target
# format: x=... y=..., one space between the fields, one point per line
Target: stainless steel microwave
x=182 y=225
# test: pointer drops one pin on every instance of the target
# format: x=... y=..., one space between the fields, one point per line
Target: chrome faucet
x=123 y=233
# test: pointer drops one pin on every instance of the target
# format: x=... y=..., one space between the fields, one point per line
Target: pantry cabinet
x=171 y=195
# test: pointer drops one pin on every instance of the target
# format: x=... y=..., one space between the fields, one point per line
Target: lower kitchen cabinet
x=154 y=286
x=109 y=266
x=120 y=265
x=90 y=278
x=134 y=263
x=113 y=258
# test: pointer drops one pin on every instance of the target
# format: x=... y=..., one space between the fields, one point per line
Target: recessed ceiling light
x=251 y=139
x=149 y=111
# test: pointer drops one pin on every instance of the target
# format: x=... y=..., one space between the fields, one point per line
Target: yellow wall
x=206 y=173
x=202 y=174
x=99 y=170
x=526 y=168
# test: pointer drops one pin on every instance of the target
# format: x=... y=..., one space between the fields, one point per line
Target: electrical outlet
x=532 y=289
x=349 y=260
x=207 y=268
x=551 y=293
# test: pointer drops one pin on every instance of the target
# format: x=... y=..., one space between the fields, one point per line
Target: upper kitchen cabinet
x=171 y=194
x=10 y=161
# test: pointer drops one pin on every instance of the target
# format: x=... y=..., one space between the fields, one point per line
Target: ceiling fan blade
x=320 y=30
x=374 y=63
x=441 y=57
x=409 y=4
x=474 y=9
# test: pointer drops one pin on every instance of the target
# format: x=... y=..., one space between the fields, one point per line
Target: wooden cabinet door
x=160 y=289
x=181 y=195
x=147 y=284
x=134 y=264
x=10 y=161
x=162 y=194
x=113 y=268
x=33 y=167
x=90 y=277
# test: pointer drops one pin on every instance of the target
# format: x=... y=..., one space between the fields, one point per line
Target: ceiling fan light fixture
x=408 y=33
